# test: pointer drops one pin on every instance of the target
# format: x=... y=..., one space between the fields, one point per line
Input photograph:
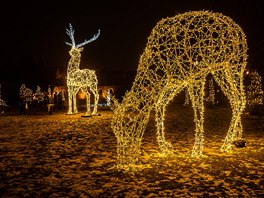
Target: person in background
x=22 y=105
x=50 y=103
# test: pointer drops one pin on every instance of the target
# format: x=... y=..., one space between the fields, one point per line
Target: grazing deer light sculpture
x=180 y=53
x=80 y=79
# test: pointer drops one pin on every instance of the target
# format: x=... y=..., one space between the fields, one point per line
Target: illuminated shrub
x=181 y=51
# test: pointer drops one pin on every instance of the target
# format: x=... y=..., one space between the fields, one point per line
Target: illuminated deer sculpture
x=180 y=53
x=80 y=79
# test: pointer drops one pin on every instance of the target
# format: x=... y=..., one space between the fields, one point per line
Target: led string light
x=181 y=51
x=80 y=79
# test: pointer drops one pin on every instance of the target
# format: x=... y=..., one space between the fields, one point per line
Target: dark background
x=33 y=34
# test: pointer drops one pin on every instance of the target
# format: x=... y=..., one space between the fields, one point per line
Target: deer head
x=70 y=32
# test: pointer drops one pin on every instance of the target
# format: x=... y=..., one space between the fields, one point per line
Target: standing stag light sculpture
x=180 y=53
x=80 y=79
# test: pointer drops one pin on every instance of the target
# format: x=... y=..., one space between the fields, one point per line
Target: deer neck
x=74 y=64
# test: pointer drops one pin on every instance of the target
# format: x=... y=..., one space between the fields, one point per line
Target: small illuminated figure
x=80 y=79
x=181 y=51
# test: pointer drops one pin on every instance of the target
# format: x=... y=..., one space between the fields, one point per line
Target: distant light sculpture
x=39 y=95
x=180 y=53
x=108 y=97
x=2 y=103
x=254 y=91
x=80 y=79
x=26 y=93
x=107 y=93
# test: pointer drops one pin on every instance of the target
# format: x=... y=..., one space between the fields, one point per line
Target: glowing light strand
x=180 y=53
x=80 y=79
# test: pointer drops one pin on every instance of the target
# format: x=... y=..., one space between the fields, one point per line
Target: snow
x=63 y=155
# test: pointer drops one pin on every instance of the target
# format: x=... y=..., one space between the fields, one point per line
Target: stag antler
x=70 y=32
x=90 y=40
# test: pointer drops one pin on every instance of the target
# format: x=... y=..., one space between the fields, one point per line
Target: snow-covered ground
x=63 y=155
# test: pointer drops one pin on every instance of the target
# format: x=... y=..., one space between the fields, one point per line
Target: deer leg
x=88 y=98
x=70 y=100
x=231 y=85
x=75 y=110
x=129 y=141
x=88 y=105
x=196 y=92
x=96 y=98
x=164 y=146
x=160 y=109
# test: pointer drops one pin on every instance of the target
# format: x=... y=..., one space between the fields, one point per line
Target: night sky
x=33 y=33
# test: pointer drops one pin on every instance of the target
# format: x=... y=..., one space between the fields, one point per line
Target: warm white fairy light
x=80 y=79
x=180 y=53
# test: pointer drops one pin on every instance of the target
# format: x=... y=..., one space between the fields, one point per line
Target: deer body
x=181 y=51
x=80 y=79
